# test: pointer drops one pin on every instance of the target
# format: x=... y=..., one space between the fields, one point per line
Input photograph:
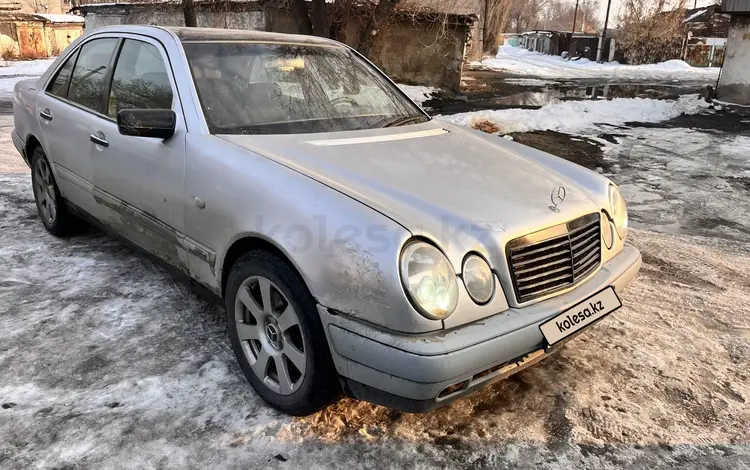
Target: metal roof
x=735 y=6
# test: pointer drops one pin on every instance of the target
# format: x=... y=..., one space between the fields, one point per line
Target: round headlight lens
x=429 y=280
x=619 y=211
x=478 y=279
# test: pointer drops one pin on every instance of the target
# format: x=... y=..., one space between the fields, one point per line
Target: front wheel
x=277 y=336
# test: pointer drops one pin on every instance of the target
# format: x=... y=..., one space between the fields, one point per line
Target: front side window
x=251 y=88
x=140 y=79
x=59 y=85
x=87 y=84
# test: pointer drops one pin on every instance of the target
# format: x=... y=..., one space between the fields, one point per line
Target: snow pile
x=579 y=116
x=519 y=61
x=13 y=71
x=419 y=94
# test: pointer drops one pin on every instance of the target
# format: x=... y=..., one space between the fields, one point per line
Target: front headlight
x=480 y=284
x=619 y=211
x=429 y=280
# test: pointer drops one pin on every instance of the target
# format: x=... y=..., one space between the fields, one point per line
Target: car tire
x=50 y=205
x=267 y=342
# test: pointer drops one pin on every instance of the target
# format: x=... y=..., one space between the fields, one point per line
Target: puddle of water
x=515 y=95
x=578 y=93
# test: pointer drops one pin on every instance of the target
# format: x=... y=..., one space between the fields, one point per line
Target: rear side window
x=88 y=81
x=140 y=79
x=59 y=85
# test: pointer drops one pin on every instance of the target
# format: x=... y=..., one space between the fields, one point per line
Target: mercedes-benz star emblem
x=557 y=197
x=272 y=333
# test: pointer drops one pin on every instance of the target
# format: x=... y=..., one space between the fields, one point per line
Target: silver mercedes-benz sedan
x=358 y=245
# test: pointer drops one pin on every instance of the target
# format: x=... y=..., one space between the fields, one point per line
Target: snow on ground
x=109 y=362
x=25 y=67
x=519 y=61
x=419 y=94
x=579 y=116
x=13 y=71
x=679 y=180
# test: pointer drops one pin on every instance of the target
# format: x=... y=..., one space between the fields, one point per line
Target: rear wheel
x=49 y=203
x=277 y=335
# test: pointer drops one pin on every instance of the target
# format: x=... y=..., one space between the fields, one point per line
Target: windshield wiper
x=402 y=120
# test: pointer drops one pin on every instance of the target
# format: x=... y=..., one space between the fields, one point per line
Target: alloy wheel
x=44 y=191
x=269 y=332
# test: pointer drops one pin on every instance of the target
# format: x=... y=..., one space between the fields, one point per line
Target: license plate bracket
x=580 y=316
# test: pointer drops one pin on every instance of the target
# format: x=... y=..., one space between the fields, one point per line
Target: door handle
x=99 y=139
x=46 y=115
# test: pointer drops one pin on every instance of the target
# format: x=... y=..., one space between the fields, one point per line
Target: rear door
x=140 y=181
x=67 y=111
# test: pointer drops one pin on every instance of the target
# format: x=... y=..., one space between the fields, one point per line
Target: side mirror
x=159 y=123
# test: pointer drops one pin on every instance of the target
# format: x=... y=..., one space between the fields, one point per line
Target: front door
x=140 y=181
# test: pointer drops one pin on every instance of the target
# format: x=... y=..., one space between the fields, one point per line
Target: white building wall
x=734 y=84
x=253 y=20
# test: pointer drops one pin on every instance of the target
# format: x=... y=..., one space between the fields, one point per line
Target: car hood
x=463 y=189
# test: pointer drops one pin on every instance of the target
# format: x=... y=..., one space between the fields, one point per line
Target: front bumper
x=417 y=373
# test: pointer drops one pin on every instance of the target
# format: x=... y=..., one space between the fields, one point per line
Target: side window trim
x=177 y=102
x=77 y=51
x=164 y=55
x=177 y=99
x=104 y=101
x=70 y=79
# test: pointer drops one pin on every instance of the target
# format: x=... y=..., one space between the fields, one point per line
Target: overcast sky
x=614 y=10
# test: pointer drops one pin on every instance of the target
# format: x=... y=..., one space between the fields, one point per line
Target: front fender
x=346 y=252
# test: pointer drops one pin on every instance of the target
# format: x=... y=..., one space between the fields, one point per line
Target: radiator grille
x=554 y=259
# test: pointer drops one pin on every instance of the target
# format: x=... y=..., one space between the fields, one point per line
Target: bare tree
x=524 y=14
x=373 y=24
x=650 y=30
x=497 y=15
x=188 y=11
x=319 y=18
x=560 y=14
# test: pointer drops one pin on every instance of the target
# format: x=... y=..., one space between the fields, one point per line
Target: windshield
x=251 y=88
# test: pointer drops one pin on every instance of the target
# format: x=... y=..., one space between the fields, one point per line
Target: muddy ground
x=109 y=362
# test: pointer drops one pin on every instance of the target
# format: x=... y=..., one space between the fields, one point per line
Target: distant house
x=706 y=30
x=734 y=82
x=575 y=44
x=36 y=35
x=424 y=43
x=35 y=6
x=512 y=39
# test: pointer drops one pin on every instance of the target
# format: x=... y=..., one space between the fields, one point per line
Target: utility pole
x=600 y=49
x=575 y=17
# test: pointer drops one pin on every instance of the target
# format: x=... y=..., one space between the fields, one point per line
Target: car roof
x=216 y=34
x=184 y=34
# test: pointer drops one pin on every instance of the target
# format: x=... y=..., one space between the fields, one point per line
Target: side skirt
x=200 y=289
